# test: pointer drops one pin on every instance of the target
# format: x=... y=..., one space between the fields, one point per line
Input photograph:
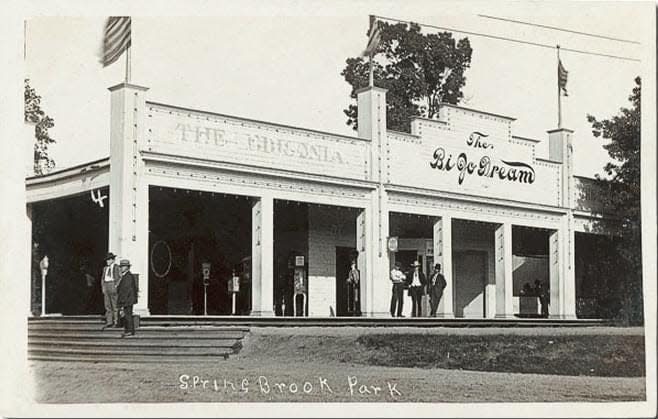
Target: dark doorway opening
x=344 y=257
x=188 y=229
x=73 y=233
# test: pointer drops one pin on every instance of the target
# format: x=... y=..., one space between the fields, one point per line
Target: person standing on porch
x=109 y=281
x=398 y=279
x=435 y=287
x=353 y=284
x=127 y=297
x=417 y=281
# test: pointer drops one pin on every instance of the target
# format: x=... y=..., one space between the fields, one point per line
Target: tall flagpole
x=559 y=96
x=128 y=63
x=371 y=76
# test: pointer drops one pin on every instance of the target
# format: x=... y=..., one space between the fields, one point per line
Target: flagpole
x=371 y=76
x=128 y=64
x=559 y=96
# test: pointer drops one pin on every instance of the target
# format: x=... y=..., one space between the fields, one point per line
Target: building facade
x=287 y=209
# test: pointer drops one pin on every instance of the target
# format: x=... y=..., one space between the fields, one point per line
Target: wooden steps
x=83 y=338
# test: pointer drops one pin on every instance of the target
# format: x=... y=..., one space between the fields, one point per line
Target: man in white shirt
x=397 y=300
x=109 y=280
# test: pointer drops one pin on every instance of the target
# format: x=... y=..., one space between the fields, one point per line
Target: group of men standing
x=119 y=294
x=417 y=284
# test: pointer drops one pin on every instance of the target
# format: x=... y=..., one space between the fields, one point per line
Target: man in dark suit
x=127 y=297
x=417 y=282
x=353 y=285
x=436 y=286
x=109 y=279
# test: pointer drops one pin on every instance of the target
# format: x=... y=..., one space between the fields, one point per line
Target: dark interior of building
x=187 y=229
x=73 y=233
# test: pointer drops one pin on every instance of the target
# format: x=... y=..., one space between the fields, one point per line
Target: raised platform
x=249 y=321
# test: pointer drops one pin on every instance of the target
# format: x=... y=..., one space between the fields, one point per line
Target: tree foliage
x=622 y=179
x=419 y=71
x=43 y=163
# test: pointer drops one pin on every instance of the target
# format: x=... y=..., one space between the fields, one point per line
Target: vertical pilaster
x=26 y=265
x=372 y=126
x=555 y=269
x=569 y=283
x=262 y=257
x=503 y=261
x=128 y=213
x=442 y=236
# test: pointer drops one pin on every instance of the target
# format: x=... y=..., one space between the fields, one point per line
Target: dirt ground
x=307 y=370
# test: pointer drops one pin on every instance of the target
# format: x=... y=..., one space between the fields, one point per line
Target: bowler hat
x=110 y=255
x=124 y=262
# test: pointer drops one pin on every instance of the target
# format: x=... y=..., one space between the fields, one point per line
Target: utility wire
x=518 y=41
x=561 y=29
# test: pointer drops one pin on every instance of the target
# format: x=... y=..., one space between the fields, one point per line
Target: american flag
x=375 y=37
x=562 y=77
x=116 y=39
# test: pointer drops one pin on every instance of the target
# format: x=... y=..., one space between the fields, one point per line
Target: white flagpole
x=559 y=95
x=371 y=77
x=128 y=64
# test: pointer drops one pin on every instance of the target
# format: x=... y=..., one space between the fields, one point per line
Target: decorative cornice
x=214 y=176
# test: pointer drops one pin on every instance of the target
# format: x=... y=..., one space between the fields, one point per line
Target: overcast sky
x=283 y=64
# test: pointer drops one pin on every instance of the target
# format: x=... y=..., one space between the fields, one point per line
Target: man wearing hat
x=435 y=289
x=109 y=280
x=417 y=282
x=127 y=297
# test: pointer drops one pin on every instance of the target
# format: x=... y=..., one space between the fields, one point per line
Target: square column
x=555 y=268
x=128 y=201
x=569 y=282
x=503 y=261
x=373 y=260
x=262 y=257
x=562 y=276
x=442 y=236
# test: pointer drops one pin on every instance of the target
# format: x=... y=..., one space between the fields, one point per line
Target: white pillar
x=442 y=236
x=372 y=234
x=25 y=264
x=262 y=257
x=568 y=285
x=555 y=269
x=504 y=281
x=128 y=213
x=371 y=102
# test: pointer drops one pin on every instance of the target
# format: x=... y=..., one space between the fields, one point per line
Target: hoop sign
x=392 y=244
x=160 y=258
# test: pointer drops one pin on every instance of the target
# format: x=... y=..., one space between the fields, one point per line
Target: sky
x=283 y=64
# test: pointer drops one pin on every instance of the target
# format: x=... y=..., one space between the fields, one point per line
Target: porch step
x=136 y=341
x=122 y=350
x=83 y=339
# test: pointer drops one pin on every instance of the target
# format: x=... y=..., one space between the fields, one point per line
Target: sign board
x=429 y=248
x=299 y=260
x=228 y=139
x=392 y=244
x=473 y=154
x=234 y=284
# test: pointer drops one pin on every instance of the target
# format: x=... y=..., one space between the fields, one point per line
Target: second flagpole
x=559 y=96
x=128 y=64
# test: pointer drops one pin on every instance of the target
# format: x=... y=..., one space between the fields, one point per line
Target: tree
x=419 y=71
x=43 y=163
x=622 y=180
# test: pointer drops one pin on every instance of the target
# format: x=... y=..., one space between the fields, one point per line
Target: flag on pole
x=375 y=37
x=562 y=77
x=116 y=39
